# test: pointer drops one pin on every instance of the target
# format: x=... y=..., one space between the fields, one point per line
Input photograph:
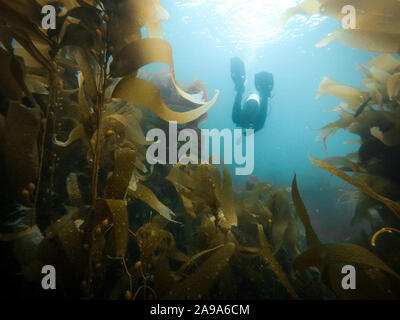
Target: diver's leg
x=238 y=73
x=264 y=82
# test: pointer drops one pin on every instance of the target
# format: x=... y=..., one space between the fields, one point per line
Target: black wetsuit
x=240 y=116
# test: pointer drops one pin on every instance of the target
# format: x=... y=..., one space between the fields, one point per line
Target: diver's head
x=251 y=108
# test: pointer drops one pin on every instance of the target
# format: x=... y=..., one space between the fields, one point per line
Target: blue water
x=203 y=44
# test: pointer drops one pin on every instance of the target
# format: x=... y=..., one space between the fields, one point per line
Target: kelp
x=155 y=243
x=389 y=138
x=266 y=253
x=78 y=101
x=360 y=184
x=364 y=40
x=197 y=284
x=8 y=85
x=278 y=204
x=144 y=194
x=380 y=232
x=353 y=96
x=202 y=188
x=377 y=26
x=119 y=232
x=21 y=156
x=138 y=54
x=329 y=258
x=73 y=190
x=117 y=184
x=146 y=94
x=69 y=237
x=346 y=163
x=311 y=236
x=381 y=92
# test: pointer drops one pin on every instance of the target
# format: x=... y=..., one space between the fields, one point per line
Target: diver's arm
x=237 y=106
x=262 y=114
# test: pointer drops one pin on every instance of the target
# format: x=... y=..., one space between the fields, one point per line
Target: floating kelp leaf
x=9 y=87
x=70 y=238
x=29 y=9
x=38 y=52
x=68 y=4
x=187 y=203
x=155 y=29
x=390 y=138
x=377 y=23
x=291 y=239
x=130 y=125
x=226 y=199
x=307 y=7
x=196 y=256
x=24 y=18
x=88 y=75
x=163 y=276
x=21 y=150
x=311 y=236
x=83 y=113
x=201 y=189
x=329 y=258
x=278 y=204
x=119 y=231
x=76 y=134
x=36 y=84
x=345 y=163
x=146 y=94
x=371 y=15
x=73 y=190
x=152 y=240
x=393 y=86
x=380 y=76
x=18 y=71
x=197 y=284
x=89 y=16
x=380 y=232
x=392 y=205
x=364 y=40
x=353 y=96
x=266 y=253
x=5 y=39
x=94 y=237
x=116 y=213
x=385 y=62
x=144 y=52
x=85 y=33
x=117 y=185
x=147 y=196
x=154 y=24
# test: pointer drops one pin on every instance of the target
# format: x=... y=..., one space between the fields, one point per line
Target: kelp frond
x=358 y=183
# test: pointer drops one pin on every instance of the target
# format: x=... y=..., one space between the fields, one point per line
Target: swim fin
x=238 y=73
x=264 y=82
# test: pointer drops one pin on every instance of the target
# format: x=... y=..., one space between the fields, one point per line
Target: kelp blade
x=392 y=205
x=312 y=238
x=148 y=95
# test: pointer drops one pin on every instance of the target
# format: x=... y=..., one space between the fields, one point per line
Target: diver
x=254 y=111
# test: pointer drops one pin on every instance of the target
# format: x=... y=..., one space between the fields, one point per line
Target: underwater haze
x=205 y=35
